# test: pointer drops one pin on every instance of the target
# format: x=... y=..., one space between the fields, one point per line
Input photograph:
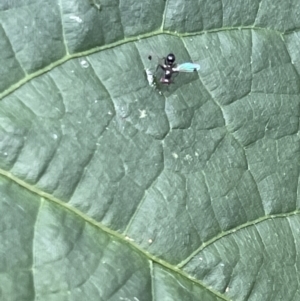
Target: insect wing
x=186 y=67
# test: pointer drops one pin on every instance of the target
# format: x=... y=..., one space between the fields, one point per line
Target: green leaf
x=113 y=190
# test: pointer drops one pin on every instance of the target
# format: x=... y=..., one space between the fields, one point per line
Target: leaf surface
x=113 y=190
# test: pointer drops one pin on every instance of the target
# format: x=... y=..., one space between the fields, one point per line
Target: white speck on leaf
x=76 y=18
x=143 y=113
x=175 y=155
x=150 y=77
x=188 y=158
x=55 y=136
x=84 y=64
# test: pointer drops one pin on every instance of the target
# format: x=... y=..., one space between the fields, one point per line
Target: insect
x=169 y=67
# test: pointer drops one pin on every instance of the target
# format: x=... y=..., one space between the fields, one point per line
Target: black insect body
x=170 y=60
x=167 y=67
x=166 y=79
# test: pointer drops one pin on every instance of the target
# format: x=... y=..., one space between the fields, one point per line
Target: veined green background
x=110 y=190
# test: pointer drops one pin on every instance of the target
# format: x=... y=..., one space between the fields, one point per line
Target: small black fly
x=169 y=68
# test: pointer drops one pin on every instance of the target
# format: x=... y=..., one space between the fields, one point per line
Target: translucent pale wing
x=186 y=67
